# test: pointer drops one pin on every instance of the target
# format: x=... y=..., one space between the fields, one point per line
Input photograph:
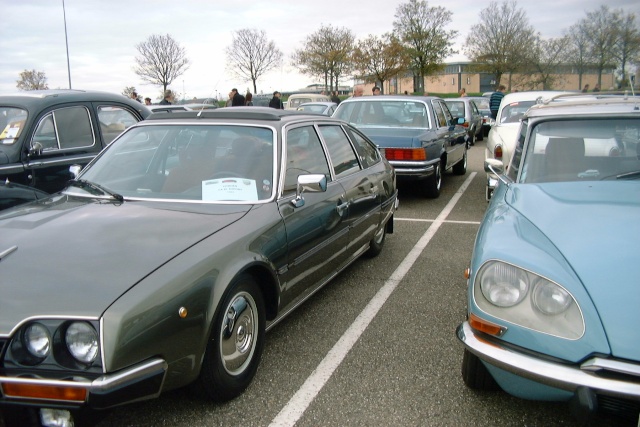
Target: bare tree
x=326 y=54
x=251 y=55
x=544 y=60
x=628 y=43
x=499 y=42
x=579 y=52
x=601 y=28
x=422 y=29
x=379 y=59
x=32 y=80
x=161 y=60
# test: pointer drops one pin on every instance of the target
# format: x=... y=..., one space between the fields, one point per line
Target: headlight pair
x=69 y=342
x=519 y=296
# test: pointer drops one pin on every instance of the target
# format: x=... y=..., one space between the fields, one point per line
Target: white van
x=296 y=99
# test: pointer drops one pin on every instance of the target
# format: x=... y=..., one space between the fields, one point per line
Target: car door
x=362 y=191
x=453 y=134
x=317 y=231
x=63 y=136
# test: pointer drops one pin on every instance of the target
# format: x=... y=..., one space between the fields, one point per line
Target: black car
x=42 y=133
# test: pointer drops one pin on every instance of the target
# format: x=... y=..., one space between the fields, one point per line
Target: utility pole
x=66 y=41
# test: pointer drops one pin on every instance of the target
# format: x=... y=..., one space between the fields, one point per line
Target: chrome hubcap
x=239 y=333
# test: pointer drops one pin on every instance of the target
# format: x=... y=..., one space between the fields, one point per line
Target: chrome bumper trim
x=565 y=377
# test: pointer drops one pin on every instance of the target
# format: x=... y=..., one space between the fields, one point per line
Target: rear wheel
x=235 y=346
x=432 y=185
x=475 y=375
x=460 y=168
x=377 y=243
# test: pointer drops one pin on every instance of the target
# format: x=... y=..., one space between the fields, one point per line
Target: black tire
x=460 y=168
x=377 y=242
x=19 y=416
x=433 y=184
x=475 y=375
x=221 y=378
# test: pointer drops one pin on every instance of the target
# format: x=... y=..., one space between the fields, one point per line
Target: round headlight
x=82 y=341
x=504 y=285
x=550 y=298
x=37 y=340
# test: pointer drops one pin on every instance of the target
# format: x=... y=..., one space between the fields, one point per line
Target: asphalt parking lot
x=377 y=346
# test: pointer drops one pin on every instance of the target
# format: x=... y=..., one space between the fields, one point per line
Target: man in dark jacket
x=168 y=98
x=276 y=102
x=495 y=100
x=237 y=100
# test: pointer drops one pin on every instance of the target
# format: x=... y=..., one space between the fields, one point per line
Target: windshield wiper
x=96 y=189
x=627 y=175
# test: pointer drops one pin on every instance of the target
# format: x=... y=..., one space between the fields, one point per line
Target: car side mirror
x=36 y=149
x=494 y=166
x=74 y=170
x=313 y=183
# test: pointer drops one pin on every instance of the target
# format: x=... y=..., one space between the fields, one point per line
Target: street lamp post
x=66 y=41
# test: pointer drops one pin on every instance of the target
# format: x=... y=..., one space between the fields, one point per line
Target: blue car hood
x=75 y=257
x=596 y=227
x=395 y=137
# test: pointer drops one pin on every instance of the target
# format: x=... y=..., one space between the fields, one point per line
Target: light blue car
x=554 y=279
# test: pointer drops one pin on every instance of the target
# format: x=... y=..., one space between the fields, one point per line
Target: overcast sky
x=103 y=34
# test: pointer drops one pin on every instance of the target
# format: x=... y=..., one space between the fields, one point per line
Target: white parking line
x=300 y=401
x=432 y=220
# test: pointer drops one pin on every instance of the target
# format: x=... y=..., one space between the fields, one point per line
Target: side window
x=514 y=167
x=74 y=127
x=341 y=152
x=113 y=120
x=304 y=156
x=45 y=134
x=369 y=154
x=440 y=118
x=447 y=114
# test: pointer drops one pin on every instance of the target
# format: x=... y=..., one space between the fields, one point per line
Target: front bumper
x=566 y=377
x=140 y=382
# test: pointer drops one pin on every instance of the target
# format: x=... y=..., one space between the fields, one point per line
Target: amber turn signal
x=485 y=326
x=41 y=391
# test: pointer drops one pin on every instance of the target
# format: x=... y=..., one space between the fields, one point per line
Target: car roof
x=252 y=114
x=325 y=103
x=531 y=95
x=368 y=98
x=579 y=104
x=43 y=98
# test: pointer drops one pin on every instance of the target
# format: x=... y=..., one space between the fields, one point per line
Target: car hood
x=395 y=137
x=595 y=225
x=74 y=257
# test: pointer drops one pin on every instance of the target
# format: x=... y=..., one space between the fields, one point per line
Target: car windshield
x=512 y=113
x=482 y=103
x=11 y=123
x=313 y=108
x=580 y=150
x=386 y=113
x=210 y=163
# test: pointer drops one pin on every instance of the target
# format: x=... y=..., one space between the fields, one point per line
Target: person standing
x=585 y=89
x=248 y=99
x=494 y=101
x=237 y=100
x=147 y=101
x=357 y=91
x=168 y=98
x=134 y=95
x=276 y=102
x=463 y=92
x=375 y=91
x=596 y=88
x=334 y=97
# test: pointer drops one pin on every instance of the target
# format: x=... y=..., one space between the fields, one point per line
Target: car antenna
x=208 y=98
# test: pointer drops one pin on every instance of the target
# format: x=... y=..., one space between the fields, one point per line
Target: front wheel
x=236 y=342
x=475 y=375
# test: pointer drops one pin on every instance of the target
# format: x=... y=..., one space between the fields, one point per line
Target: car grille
x=627 y=409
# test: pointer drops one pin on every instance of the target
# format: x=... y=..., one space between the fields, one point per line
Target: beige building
x=459 y=75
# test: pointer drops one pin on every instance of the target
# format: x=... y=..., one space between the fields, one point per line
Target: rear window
x=12 y=122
